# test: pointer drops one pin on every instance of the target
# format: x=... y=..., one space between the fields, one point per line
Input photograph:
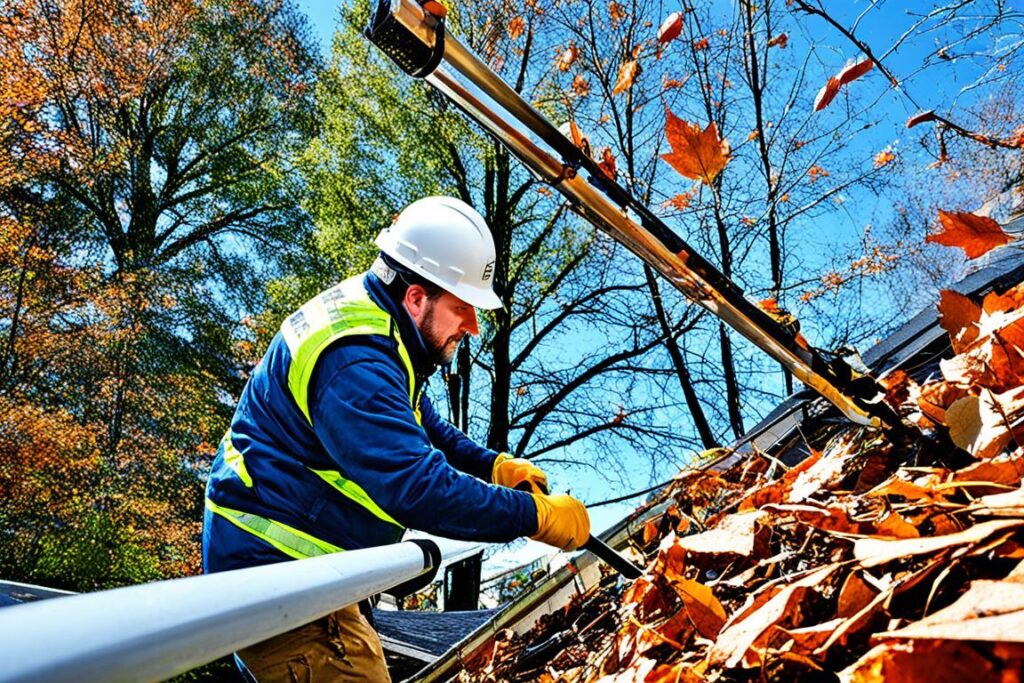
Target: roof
x=14 y=593
x=426 y=635
x=915 y=347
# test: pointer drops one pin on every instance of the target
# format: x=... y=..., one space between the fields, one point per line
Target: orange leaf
x=680 y=202
x=435 y=8
x=849 y=73
x=976 y=235
x=516 y=27
x=958 y=316
x=884 y=158
x=627 y=74
x=779 y=41
x=703 y=608
x=617 y=12
x=701 y=44
x=567 y=58
x=921 y=117
x=696 y=154
x=670 y=28
x=871 y=552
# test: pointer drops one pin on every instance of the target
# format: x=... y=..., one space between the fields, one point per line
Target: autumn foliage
x=871 y=559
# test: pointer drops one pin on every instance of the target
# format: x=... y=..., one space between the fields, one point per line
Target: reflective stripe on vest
x=354 y=492
x=288 y=540
x=342 y=311
x=233 y=459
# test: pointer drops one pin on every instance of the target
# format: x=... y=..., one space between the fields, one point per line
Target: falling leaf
x=670 y=28
x=701 y=44
x=580 y=85
x=516 y=27
x=816 y=172
x=674 y=83
x=851 y=72
x=627 y=74
x=607 y=163
x=779 y=41
x=680 y=202
x=568 y=58
x=617 y=12
x=976 y=235
x=696 y=154
x=921 y=117
x=884 y=158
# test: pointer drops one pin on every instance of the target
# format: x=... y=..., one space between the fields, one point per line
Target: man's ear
x=415 y=301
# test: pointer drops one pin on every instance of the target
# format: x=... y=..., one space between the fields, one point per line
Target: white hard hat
x=444 y=240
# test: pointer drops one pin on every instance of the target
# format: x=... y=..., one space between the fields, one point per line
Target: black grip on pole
x=431 y=563
x=613 y=559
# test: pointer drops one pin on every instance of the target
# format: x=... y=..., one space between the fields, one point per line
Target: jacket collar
x=407 y=329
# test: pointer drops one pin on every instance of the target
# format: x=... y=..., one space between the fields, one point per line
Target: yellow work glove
x=562 y=521
x=513 y=472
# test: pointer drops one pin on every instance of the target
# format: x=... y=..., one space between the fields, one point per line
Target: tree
x=144 y=187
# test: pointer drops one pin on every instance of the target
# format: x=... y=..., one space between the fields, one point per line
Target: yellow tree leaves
x=849 y=73
x=976 y=235
x=696 y=154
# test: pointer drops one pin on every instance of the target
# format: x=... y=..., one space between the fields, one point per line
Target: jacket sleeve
x=362 y=415
x=462 y=453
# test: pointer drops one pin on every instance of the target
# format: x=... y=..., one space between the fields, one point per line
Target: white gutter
x=155 y=631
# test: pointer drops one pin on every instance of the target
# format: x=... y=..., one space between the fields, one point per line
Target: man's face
x=443 y=322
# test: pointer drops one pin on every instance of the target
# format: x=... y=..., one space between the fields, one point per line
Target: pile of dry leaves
x=867 y=561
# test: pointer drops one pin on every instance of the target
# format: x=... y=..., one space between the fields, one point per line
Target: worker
x=334 y=446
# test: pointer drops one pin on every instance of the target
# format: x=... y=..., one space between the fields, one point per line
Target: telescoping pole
x=154 y=631
x=418 y=43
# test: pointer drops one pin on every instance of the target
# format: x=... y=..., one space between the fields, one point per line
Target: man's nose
x=470 y=324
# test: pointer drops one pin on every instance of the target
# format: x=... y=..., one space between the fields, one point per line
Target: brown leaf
x=958 y=316
x=567 y=58
x=735 y=642
x=921 y=117
x=670 y=28
x=871 y=552
x=580 y=85
x=702 y=607
x=976 y=235
x=849 y=73
x=736 y=534
x=516 y=27
x=699 y=45
x=627 y=74
x=779 y=41
x=977 y=424
x=884 y=158
x=696 y=154
x=989 y=610
x=935 y=661
x=617 y=12
x=607 y=163
x=855 y=595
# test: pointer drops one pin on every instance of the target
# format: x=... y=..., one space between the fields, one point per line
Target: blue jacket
x=418 y=474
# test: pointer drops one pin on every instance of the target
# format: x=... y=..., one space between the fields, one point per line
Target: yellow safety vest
x=344 y=310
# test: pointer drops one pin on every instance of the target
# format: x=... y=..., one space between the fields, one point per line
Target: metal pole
x=419 y=44
x=154 y=631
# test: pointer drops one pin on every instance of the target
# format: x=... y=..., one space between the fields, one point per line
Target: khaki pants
x=339 y=647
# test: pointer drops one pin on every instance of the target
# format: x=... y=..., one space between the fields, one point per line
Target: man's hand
x=515 y=472
x=562 y=521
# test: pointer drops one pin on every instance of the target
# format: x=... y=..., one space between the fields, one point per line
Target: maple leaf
x=884 y=158
x=627 y=74
x=976 y=235
x=567 y=58
x=921 y=117
x=779 y=41
x=696 y=154
x=516 y=27
x=670 y=28
x=680 y=202
x=849 y=73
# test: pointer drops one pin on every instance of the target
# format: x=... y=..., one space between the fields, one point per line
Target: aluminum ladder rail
x=418 y=43
x=154 y=631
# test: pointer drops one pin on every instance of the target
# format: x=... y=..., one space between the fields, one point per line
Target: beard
x=440 y=349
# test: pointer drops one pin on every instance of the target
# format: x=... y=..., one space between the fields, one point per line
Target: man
x=334 y=447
